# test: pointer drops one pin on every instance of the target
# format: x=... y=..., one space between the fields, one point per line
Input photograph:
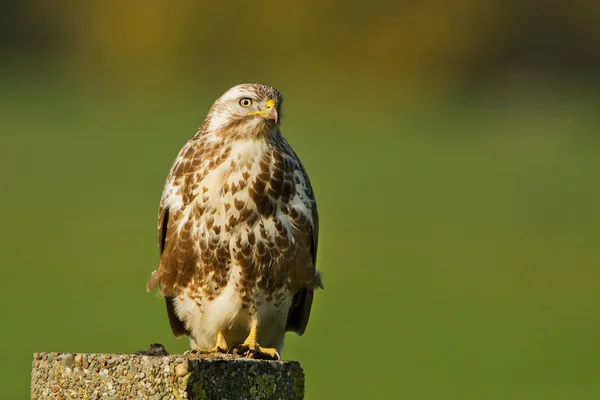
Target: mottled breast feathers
x=234 y=199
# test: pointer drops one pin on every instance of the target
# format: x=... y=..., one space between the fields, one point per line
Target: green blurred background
x=454 y=149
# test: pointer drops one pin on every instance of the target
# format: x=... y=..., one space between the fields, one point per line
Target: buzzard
x=238 y=230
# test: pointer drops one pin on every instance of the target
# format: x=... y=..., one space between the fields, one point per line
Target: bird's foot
x=194 y=351
x=221 y=346
x=215 y=350
x=254 y=350
x=251 y=349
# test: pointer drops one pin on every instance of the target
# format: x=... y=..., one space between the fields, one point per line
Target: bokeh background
x=454 y=148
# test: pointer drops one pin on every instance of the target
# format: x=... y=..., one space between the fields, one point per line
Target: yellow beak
x=269 y=112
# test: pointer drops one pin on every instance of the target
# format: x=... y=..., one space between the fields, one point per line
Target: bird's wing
x=176 y=221
x=179 y=260
x=172 y=274
x=307 y=238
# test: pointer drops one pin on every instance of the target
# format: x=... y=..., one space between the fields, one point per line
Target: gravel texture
x=126 y=376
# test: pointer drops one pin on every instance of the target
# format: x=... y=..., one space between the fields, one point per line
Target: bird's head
x=246 y=110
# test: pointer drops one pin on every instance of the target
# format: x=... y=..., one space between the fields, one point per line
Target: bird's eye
x=246 y=102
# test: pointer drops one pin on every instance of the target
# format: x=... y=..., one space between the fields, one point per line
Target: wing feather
x=307 y=238
x=178 y=255
x=178 y=215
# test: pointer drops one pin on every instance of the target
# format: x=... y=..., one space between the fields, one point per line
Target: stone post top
x=159 y=377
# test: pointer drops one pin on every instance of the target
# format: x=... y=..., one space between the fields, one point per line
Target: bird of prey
x=238 y=230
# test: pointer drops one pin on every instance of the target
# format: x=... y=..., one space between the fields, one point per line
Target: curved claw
x=220 y=347
x=271 y=352
x=220 y=350
x=194 y=351
x=251 y=349
x=258 y=352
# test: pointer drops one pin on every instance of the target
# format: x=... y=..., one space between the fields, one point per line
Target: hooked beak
x=270 y=111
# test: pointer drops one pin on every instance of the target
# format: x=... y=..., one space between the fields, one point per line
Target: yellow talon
x=221 y=346
x=193 y=351
x=251 y=349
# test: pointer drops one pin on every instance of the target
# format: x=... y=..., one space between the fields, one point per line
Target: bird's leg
x=251 y=349
x=221 y=346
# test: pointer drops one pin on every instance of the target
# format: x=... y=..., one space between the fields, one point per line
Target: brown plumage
x=238 y=229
